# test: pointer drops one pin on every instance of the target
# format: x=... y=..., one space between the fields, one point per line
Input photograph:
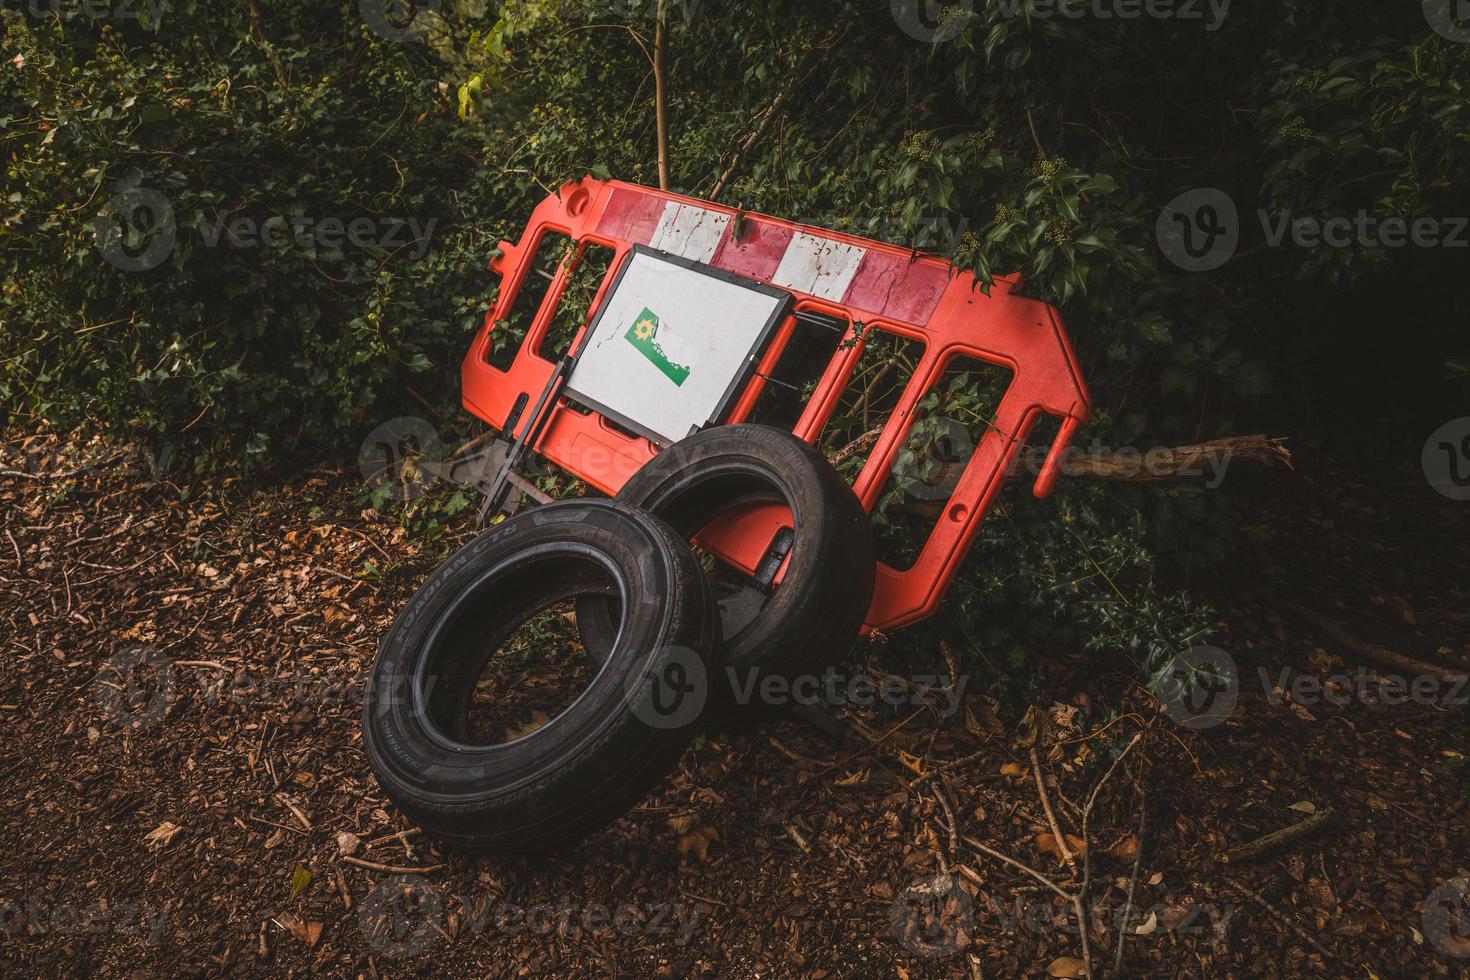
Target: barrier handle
x=1046 y=480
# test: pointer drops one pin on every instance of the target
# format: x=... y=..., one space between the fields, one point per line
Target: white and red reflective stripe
x=819 y=266
x=882 y=282
x=689 y=231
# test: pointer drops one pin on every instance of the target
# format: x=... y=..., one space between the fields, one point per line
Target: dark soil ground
x=183 y=791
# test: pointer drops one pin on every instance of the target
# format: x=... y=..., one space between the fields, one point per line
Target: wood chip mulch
x=183 y=791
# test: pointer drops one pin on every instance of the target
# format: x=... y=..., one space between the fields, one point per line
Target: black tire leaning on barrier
x=811 y=620
x=605 y=752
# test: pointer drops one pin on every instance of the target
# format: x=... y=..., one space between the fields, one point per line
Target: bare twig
x=396 y=869
x=763 y=123
x=861 y=444
x=1132 y=881
x=948 y=819
x=1051 y=817
x=952 y=765
x=770 y=114
x=1371 y=651
x=1074 y=899
x=401 y=836
x=1285 y=920
x=661 y=95
x=984 y=849
x=1275 y=839
x=295 y=810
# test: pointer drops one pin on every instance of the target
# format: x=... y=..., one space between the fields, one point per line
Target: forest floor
x=183 y=790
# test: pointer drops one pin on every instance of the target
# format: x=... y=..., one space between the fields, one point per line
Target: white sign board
x=673 y=344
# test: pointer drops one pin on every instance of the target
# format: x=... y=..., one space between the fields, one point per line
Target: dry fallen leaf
x=1305 y=806
x=1126 y=849
x=1064 y=715
x=347 y=843
x=1067 y=966
x=1012 y=769
x=521 y=731
x=697 y=842
x=162 y=835
x=1047 y=844
x=1302 y=712
x=307 y=932
x=1148 y=926
x=682 y=823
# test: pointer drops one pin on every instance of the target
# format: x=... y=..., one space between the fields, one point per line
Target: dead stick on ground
x=1051 y=817
x=342 y=890
x=295 y=810
x=1203 y=459
x=1084 y=890
x=1285 y=920
x=1075 y=900
x=401 y=835
x=1273 y=840
x=1372 y=651
x=983 y=849
x=392 y=869
x=948 y=819
x=1132 y=880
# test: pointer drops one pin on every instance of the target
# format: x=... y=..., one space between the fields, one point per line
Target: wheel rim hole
x=494 y=683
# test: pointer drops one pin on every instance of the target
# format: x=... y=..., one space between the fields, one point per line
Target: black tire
x=604 y=753
x=810 y=621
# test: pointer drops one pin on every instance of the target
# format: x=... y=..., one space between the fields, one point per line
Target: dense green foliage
x=1018 y=140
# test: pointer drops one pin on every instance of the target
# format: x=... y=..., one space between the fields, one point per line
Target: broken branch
x=1275 y=839
x=1372 y=651
x=1164 y=464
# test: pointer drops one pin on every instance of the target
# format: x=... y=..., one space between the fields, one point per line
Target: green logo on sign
x=643 y=335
